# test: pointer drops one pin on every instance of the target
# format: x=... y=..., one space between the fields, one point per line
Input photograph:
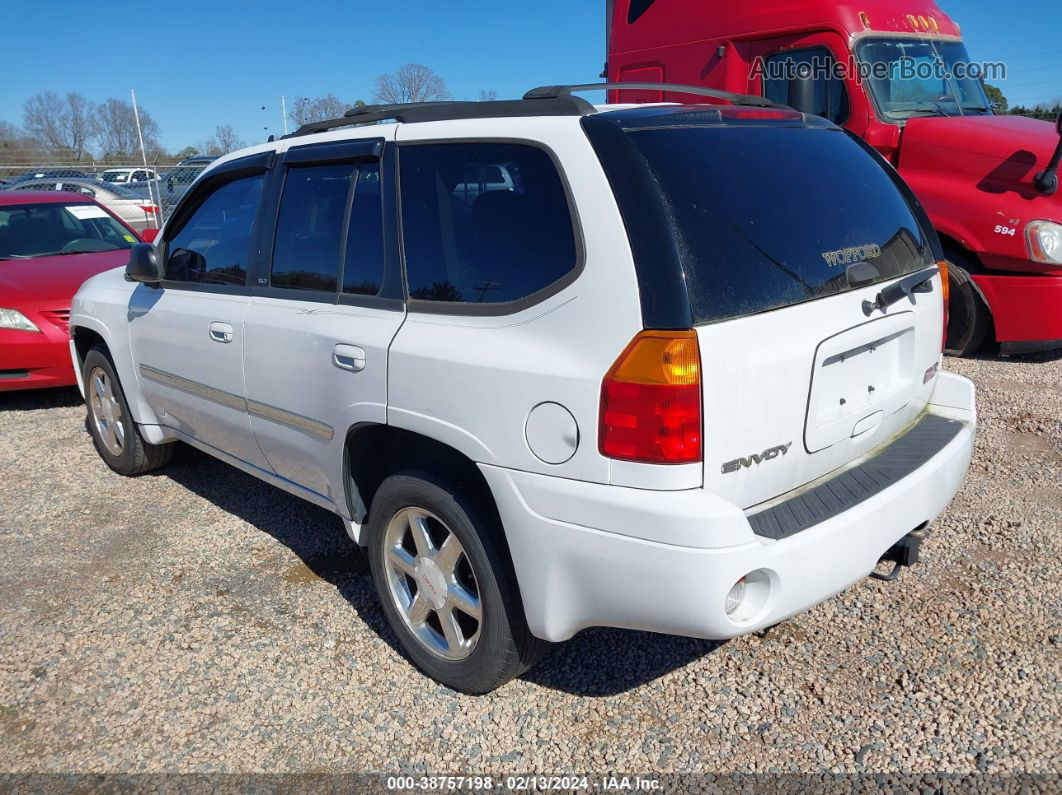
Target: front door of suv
x=326 y=304
x=187 y=334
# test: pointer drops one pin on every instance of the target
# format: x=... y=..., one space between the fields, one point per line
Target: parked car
x=53 y=173
x=49 y=244
x=134 y=205
x=175 y=182
x=125 y=175
x=655 y=378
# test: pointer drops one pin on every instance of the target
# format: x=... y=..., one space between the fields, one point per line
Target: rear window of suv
x=771 y=214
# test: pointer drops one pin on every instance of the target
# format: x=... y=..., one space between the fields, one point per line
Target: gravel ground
x=199 y=620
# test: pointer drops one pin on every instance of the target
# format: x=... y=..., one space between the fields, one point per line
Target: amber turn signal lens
x=660 y=357
x=943 y=267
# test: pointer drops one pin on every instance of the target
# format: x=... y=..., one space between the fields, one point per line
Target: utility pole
x=143 y=157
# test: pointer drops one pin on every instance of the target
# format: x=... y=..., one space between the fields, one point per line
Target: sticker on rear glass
x=84 y=211
x=130 y=238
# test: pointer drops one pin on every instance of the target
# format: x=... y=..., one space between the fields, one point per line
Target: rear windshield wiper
x=915 y=283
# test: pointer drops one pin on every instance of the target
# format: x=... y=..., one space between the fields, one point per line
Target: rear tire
x=969 y=319
x=114 y=432
x=446 y=585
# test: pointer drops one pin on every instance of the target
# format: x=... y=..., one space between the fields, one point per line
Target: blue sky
x=196 y=65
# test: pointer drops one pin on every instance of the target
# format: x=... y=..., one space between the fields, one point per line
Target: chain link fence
x=142 y=196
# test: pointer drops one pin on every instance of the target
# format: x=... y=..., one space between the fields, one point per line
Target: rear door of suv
x=780 y=233
x=326 y=303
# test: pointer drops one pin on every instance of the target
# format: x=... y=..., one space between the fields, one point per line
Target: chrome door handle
x=349 y=357
x=220 y=332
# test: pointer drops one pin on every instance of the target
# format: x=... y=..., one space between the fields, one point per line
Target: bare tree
x=414 y=82
x=308 y=109
x=487 y=95
x=81 y=122
x=116 y=130
x=225 y=140
x=60 y=124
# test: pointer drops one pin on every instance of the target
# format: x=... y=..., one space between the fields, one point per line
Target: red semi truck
x=893 y=74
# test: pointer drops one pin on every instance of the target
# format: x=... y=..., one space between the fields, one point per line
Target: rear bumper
x=596 y=555
x=1026 y=309
x=31 y=360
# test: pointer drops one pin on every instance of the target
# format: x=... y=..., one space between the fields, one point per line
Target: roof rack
x=541 y=101
x=446 y=110
x=557 y=92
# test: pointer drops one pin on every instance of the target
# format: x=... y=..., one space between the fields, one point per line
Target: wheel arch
x=372 y=451
x=86 y=332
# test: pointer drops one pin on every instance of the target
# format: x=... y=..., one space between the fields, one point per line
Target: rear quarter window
x=483 y=222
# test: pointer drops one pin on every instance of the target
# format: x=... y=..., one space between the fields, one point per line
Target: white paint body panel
x=169 y=331
x=589 y=555
x=471 y=381
x=288 y=362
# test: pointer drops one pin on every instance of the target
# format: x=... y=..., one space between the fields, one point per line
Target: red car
x=50 y=243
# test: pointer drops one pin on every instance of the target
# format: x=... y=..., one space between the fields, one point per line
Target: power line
x=1057 y=81
x=1034 y=69
x=1028 y=55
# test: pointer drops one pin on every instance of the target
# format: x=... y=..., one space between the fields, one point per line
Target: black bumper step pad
x=929 y=436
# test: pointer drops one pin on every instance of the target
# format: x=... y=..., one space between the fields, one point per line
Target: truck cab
x=895 y=75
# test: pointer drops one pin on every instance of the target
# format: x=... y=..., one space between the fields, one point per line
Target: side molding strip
x=307 y=425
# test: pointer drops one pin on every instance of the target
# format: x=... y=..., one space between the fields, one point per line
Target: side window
x=483 y=223
x=212 y=244
x=830 y=95
x=363 y=265
x=636 y=8
x=306 y=247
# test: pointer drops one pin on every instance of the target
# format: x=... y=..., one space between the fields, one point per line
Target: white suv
x=678 y=370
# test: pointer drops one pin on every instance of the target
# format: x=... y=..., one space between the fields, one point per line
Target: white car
x=123 y=175
x=657 y=378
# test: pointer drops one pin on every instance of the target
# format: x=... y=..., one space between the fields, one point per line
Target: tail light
x=651 y=400
x=151 y=209
x=942 y=266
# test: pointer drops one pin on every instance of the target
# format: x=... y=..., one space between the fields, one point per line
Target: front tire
x=969 y=319
x=446 y=585
x=114 y=432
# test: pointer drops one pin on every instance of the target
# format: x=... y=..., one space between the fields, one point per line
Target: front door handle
x=349 y=357
x=220 y=332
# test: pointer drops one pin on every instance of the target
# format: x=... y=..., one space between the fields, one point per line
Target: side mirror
x=143 y=264
x=149 y=235
x=1047 y=180
x=802 y=89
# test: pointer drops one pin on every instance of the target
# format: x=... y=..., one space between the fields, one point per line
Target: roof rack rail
x=445 y=110
x=556 y=92
x=541 y=101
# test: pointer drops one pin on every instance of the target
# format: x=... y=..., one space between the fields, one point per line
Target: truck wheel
x=115 y=434
x=969 y=319
x=446 y=586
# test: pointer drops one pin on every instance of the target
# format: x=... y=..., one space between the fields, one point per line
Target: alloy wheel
x=431 y=582
x=106 y=411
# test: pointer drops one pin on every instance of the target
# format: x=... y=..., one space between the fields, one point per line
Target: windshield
x=42 y=230
x=115 y=176
x=921 y=77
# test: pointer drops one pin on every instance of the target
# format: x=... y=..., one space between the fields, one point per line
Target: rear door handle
x=220 y=332
x=349 y=357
